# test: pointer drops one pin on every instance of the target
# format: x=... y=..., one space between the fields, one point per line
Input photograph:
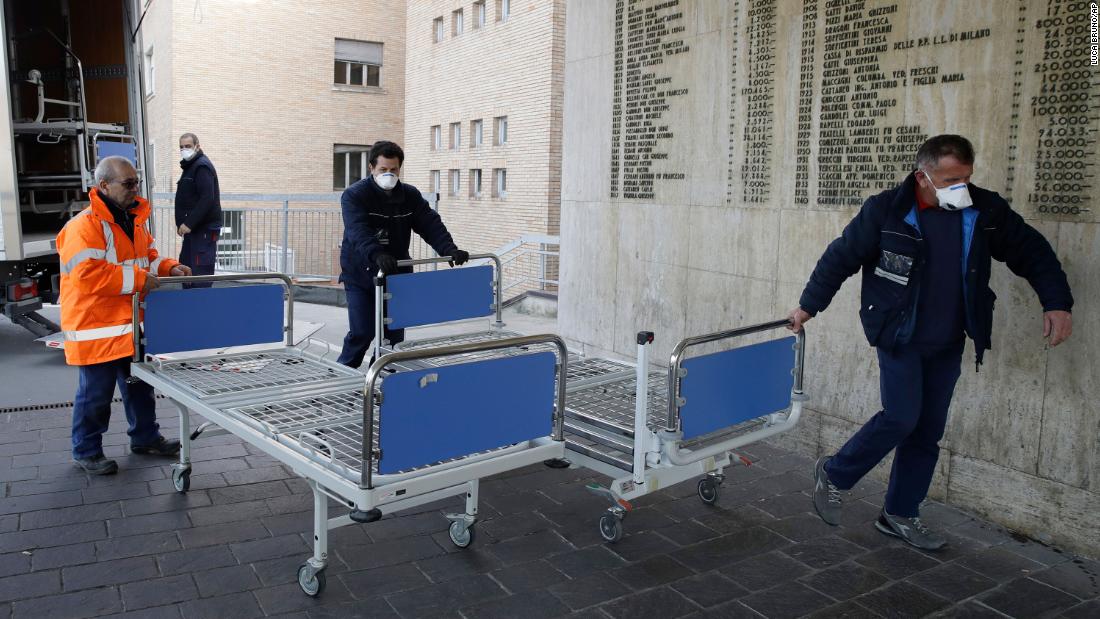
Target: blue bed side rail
x=202 y=318
x=430 y=297
x=437 y=414
x=726 y=388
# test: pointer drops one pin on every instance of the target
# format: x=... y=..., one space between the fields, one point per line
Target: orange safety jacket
x=100 y=270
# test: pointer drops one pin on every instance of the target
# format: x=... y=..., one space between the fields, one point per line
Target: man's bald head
x=117 y=178
x=112 y=168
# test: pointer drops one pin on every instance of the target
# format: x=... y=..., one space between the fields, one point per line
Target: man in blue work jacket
x=198 y=209
x=380 y=213
x=924 y=248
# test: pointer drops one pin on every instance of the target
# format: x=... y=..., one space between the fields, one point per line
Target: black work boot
x=163 y=447
x=98 y=465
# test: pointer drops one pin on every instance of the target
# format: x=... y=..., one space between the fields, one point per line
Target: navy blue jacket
x=376 y=222
x=884 y=240
x=198 y=197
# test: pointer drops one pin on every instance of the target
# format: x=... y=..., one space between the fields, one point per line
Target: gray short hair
x=108 y=168
x=194 y=138
x=940 y=146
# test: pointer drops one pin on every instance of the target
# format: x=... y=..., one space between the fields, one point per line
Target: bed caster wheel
x=362 y=517
x=708 y=490
x=311 y=580
x=181 y=479
x=611 y=527
x=461 y=535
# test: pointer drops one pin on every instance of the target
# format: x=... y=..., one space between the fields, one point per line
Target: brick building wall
x=255 y=82
x=509 y=68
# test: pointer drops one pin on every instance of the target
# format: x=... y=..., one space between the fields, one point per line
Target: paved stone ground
x=128 y=545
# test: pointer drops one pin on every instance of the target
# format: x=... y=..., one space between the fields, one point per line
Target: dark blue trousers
x=200 y=252
x=916 y=385
x=92 y=408
x=361 y=325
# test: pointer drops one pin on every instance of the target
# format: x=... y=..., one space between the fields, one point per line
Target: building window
x=456 y=136
x=349 y=164
x=455 y=180
x=437 y=29
x=437 y=137
x=357 y=63
x=475 y=183
x=500 y=134
x=479 y=14
x=475 y=133
x=456 y=22
x=435 y=182
x=150 y=73
x=504 y=9
x=500 y=183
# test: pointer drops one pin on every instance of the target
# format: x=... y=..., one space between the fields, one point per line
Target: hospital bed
x=422 y=425
x=646 y=428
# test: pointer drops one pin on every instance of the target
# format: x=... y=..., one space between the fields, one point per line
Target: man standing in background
x=198 y=208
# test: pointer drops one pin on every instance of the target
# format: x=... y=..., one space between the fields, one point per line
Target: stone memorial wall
x=712 y=149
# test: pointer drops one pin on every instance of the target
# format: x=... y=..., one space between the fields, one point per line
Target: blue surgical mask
x=953 y=198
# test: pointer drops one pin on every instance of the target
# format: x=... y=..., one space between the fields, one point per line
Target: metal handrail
x=677 y=357
x=449 y=351
x=195 y=279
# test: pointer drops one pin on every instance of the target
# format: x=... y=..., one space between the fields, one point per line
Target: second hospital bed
x=644 y=427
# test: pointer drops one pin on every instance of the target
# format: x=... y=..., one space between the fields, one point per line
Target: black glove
x=386 y=262
x=459 y=257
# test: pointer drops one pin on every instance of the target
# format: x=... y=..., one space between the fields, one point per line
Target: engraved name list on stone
x=865 y=142
x=861 y=143
x=645 y=93
x=805 y=102
x=758 y=91
x=617 y=100
x=1063 y=109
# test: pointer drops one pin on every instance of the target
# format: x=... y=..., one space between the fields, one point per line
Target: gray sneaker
x=911 y=530
x=826 y=495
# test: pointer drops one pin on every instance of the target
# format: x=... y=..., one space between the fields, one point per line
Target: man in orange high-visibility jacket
x=106 y=255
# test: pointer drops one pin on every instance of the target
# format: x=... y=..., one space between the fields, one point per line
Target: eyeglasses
x=130 y=183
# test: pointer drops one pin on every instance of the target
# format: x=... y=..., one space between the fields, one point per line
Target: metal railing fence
x=300 y=234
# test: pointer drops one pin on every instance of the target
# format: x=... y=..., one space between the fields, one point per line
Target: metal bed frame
x=328 y=422
x=635 y=435
x=629 y=420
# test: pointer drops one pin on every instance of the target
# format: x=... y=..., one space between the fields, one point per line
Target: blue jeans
x=361 y=325
x=916 y=385
x=92 y=409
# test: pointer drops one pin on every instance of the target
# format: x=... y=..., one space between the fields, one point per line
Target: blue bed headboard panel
x=432 y=415
x=431 y=297
x=111 y=148
x=726 y=388
x=199 y=318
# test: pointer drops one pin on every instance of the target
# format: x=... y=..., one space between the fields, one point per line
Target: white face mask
x=187 y=153
x=386 y=181
x=953 y=198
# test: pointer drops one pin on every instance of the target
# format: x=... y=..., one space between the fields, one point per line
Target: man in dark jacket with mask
x=380 y=215
x=924 y=248
x=198 y=208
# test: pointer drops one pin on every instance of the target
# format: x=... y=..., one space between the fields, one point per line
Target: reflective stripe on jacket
x=100 y=270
